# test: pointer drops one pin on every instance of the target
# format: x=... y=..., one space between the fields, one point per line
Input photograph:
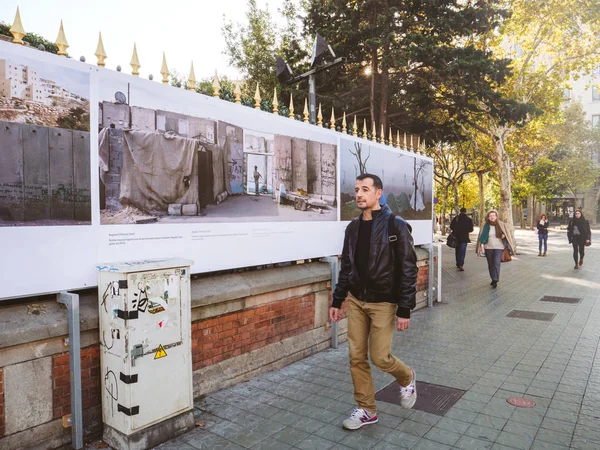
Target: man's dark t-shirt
x=362 y=250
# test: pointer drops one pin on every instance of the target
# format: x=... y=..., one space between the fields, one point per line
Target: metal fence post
x=333 y=262
x=71 y=301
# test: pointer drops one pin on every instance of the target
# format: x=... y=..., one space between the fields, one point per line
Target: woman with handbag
x=580 y=235
x=542 y=232
x=494 y=239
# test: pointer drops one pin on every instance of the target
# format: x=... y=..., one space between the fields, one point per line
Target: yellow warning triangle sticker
x=160 y=353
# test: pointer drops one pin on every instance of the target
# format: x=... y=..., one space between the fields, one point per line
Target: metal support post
x=312 y=98
x=431 y=274
x=71 y=301
x=439 y=273
x=333 y=262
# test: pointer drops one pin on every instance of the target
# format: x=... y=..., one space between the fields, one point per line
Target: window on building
x=595 y=94
x=596 y=70
x=595 y=121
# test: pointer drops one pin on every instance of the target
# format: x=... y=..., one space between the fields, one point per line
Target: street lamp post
x=321 y=50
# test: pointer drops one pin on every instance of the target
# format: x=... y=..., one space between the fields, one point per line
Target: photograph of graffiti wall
x=407 y=179
x=44 y=144
x=158 y=166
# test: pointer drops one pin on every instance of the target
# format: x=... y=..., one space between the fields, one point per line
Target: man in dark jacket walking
x=379 y=276
x=461 y=225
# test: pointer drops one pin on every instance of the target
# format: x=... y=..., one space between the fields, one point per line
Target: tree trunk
x=444 y=205
x=383 y=100
x=374 y=69
x=530 y=212
x=504 y=177
x=481 y=200
x=455 y=193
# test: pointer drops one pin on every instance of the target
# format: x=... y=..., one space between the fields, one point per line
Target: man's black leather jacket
x=392 y=265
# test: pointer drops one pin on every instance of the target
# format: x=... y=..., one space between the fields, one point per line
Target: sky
x=186 y=30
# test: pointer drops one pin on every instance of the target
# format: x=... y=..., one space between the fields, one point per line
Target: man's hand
x=402 y=324
x=334 y=314
x=588 y=242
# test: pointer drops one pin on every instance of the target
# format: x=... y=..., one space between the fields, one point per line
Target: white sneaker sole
x=362 y=424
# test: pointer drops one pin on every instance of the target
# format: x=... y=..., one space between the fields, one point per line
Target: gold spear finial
x=61 y=41
x=405 y=148
x=382 y=135
x=164 y=70
x=355 y=127
x=257 y=97
x=17 y=29
x=418 y=142
x=305 y=120
x=397 y=138
x=291 y=114
x=344 y=129
x=237 y=92
x=332 y=121
x=100 y=52
x=364 y=129
x=192 y=79
x=391 y=138
x=320 y=117
x=374 y=133
x=411 y=142
x=216 y=85
x=135 y=62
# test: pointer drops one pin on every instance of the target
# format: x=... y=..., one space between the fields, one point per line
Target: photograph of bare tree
x=407 y=179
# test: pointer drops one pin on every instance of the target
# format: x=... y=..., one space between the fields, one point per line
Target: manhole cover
x=521 y=402
x=533 y=315
x=431 y=398
x=549 y=298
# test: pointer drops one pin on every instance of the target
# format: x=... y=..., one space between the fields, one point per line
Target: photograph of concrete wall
x=158 y=166
x=44 y=144
x=407 y=179
x=306 y=176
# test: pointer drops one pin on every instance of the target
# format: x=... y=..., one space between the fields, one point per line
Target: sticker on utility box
x=160 y=353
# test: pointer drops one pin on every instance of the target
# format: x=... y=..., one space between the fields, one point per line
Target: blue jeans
x=460 y=252
x=494 y=259
x=543 y=238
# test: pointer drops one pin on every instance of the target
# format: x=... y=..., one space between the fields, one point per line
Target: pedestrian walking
x=257 y=177
x=580 y=236
x=542 y=232
x=493 y=238
x=378 y=275
x=461 y=226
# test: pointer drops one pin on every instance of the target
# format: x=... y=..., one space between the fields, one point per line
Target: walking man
x=461 y=225
x=257 y=177
x=379 y=276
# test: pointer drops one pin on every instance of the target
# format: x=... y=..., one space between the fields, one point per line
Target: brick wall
x=90 y=380
x=229 y=335
x=1 y=402
x=423 y=278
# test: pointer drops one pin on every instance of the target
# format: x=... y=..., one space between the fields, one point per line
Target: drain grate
x=431 y=398
x=533 y=315
x=549 y=298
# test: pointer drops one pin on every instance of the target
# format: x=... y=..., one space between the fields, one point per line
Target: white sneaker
x=359 y=418
x=408 y=394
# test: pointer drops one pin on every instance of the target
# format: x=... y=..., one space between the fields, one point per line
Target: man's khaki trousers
x=370 y=330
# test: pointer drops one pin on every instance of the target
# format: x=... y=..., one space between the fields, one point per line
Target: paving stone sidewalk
x=466 y=342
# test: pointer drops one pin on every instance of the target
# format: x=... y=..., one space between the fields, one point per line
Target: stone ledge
x=18 y=327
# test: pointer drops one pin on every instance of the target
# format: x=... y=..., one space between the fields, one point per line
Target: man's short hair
x=463 y=210
x=376 y=180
